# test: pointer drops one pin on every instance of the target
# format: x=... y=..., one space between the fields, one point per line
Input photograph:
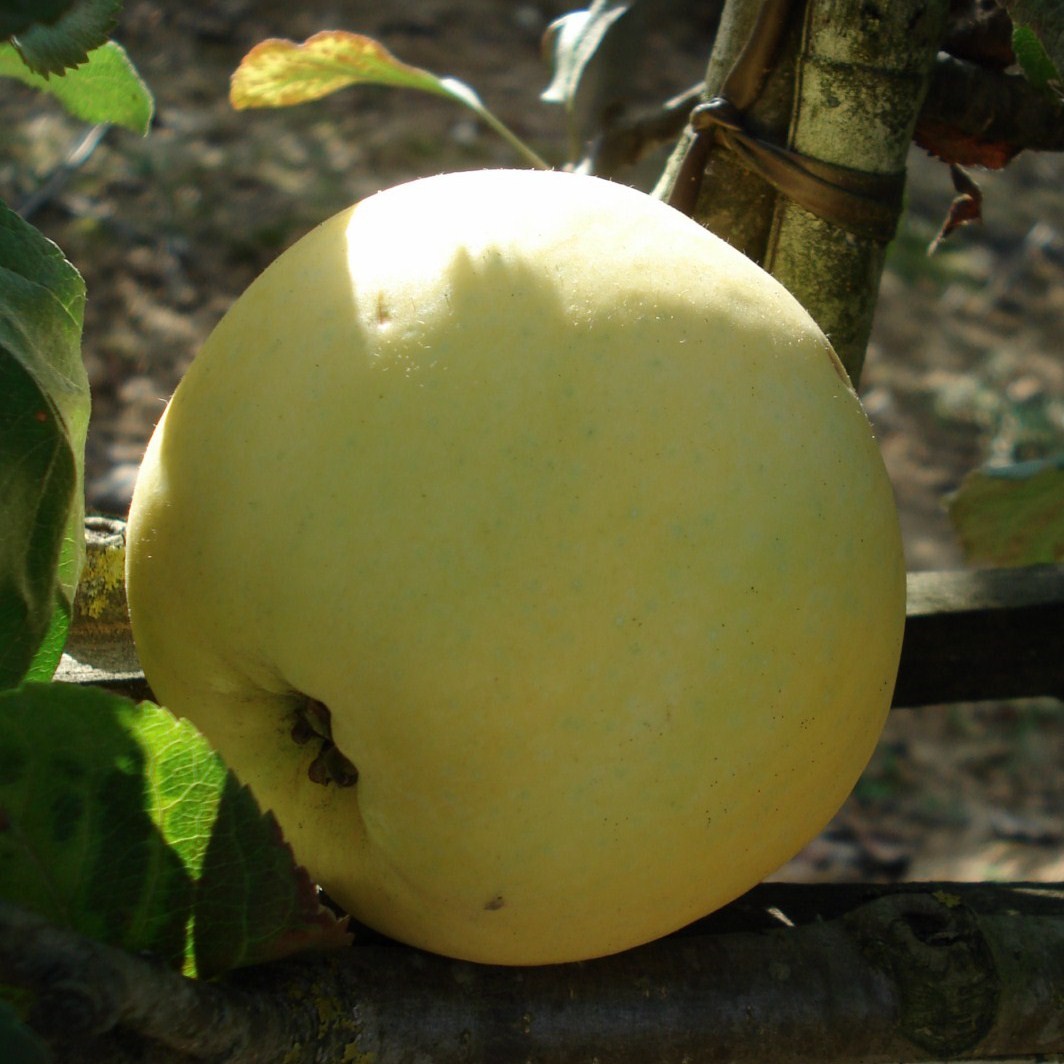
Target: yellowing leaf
x=282 y=73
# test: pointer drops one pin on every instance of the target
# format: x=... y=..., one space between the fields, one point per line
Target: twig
x=629 y=139
x=78 y=155
x=974 y=116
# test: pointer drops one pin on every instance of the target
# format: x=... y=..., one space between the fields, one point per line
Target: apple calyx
x=314 y=722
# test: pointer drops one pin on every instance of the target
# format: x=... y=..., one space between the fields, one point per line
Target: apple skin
x=569 y=515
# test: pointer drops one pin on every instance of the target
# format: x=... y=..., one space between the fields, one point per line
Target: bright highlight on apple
x=526 y=550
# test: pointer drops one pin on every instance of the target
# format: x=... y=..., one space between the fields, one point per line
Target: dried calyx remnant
x=314 y=723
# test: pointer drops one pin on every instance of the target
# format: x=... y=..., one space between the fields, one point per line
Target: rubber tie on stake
x=865 y=204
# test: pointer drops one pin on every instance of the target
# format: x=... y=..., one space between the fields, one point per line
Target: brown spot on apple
x=384 y=314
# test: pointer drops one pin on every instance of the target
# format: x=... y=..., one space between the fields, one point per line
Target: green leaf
x=78 y=844
x=44 y=414
x=1012 y=515
x=120 y=822
x=254 y=903
x=54 y=45
x=50 y=651
x=1042 y=23
x=105 y=88
x=38 y=487
x=17 y=16
x=593 y=52
x=1037 y=67
x=281 y=73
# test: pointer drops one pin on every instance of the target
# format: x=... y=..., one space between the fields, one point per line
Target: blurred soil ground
x=965 y=363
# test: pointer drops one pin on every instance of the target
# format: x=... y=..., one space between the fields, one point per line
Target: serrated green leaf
x=50 y=47
x=119 y=821
x=249 y=881
x=44 y=414
x=17 y=16
x=1012 y=515
x=105 y=88
x=282 y=73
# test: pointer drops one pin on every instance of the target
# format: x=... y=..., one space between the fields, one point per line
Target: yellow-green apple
x=528 y=552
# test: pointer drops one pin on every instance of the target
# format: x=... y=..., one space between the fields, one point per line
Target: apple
x=528 y=552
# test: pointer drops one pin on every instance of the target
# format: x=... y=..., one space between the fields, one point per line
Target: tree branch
x=97 y=1003
x=629 y=139
x=903 y=974
x=974 y=116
